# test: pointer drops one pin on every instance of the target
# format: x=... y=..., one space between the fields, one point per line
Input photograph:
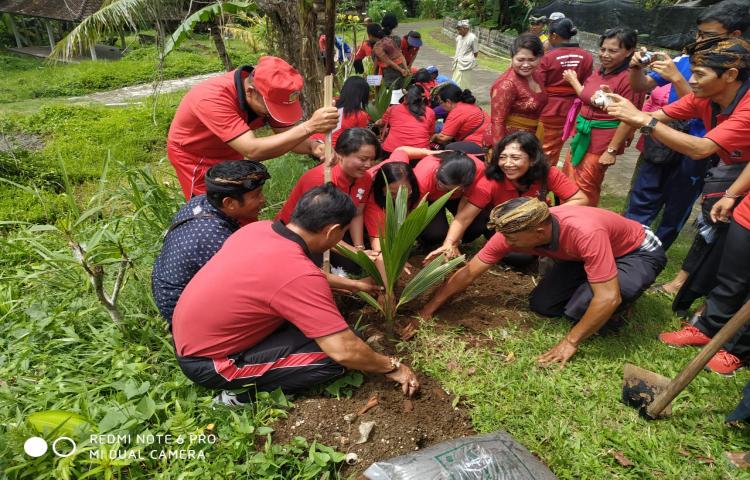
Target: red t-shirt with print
x=358 y=190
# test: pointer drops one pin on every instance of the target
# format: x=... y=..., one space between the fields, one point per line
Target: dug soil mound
x=401 y=425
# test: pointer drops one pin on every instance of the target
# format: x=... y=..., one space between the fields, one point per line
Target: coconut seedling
x=397 y=240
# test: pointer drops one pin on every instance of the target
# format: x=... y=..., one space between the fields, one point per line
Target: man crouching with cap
x=603 y=264
x=216 y=120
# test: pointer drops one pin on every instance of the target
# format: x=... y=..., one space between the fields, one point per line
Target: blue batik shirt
x=682 y=63
x=198 y=231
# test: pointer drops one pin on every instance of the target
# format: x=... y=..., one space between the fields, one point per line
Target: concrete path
x=617 y=181
x=129 y=94
x=483 y=78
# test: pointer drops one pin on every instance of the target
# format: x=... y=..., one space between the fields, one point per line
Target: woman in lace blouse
x=517 y=96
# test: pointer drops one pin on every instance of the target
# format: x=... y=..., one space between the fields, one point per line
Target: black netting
x=666 y=27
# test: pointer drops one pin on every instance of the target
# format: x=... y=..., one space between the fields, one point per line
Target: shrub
x=378 y=8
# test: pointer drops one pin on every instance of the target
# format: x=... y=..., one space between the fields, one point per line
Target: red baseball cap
x=280 y=85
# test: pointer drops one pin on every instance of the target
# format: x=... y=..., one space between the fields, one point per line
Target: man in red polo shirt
x=603 y=264
x=216 y=121
x=720 y=97
x=265 y=316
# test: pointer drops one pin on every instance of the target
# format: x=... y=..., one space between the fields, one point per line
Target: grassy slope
x=435 y=39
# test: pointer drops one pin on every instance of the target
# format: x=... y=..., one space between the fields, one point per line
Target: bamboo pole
x=328 y=159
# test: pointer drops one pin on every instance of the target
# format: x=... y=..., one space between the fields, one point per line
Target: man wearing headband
x=674 y=186
x=603 y=264
x=536 y=27
x=721 y=98
x=216 y=121
x=260 y=314
x=234 y=197
x=465 y=58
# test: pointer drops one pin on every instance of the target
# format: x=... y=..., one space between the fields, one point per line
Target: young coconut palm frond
x=396 y=243
x=205 y=14
x=113 y=17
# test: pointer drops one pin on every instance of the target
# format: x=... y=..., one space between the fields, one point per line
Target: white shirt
x=466 y=47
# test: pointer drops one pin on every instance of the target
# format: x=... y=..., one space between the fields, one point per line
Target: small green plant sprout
x=402 y=228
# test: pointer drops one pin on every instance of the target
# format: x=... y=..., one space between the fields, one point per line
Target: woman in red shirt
x=466 y=122
x=411 y=123
x=352 y=102
x=388 y=178
x=517 y=97
x=437 y=174
x=356 y=152
x=519 y=168
x=564 y=55
x=599 y=136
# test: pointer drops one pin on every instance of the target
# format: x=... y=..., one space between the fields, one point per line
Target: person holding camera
x=599 y=137
x=721 y=99
x=666 y=180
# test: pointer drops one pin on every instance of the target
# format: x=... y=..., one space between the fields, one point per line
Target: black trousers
x=286 y=359
x=433 y=236
x=731 y=291
x=702 y=264
x=565 y=290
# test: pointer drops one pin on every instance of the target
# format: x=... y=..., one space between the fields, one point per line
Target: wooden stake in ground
x=328 y=161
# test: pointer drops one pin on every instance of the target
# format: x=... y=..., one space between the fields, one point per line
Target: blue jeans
x=671 y=187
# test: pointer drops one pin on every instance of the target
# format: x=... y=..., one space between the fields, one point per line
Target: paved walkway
x=126 y=95
x=617 y=181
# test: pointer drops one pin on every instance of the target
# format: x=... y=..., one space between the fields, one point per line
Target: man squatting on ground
x=234 y=197
x=603 y=264
x=216 y=121
x=265 y=316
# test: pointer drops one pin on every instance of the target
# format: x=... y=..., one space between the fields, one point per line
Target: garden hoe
x=652 y=394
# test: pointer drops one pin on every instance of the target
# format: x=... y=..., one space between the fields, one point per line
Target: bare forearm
x=640 y=82
x=682 y=87
x=305 y=146
x=623 y=131
x=272 y=146
x=353 y=353
x=599 y=311
x=457 y=283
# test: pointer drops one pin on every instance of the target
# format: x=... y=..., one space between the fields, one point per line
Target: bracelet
x=395 y=364
x=733 y=196
x=359 y=247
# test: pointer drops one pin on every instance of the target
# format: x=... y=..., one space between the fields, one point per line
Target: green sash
x=580 y=143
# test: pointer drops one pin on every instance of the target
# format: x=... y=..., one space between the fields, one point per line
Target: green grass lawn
x=60 y=351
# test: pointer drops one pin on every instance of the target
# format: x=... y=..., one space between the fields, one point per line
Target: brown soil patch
x=20 y=141
x=401 y=426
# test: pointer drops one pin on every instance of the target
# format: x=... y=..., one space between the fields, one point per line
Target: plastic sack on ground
x=495 y=456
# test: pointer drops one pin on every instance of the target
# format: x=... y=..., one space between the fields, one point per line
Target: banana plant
x=397 y=240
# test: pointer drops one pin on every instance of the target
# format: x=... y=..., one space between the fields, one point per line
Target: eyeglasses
x=706 y=35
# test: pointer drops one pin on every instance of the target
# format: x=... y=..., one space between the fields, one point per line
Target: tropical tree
x=117 y=15
x=396 y=244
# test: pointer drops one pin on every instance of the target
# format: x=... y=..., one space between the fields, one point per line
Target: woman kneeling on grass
x=388 y=178
x=411 y=123
x=466 y=122
x=519 y=168
x=356 y=151
x=437 y=174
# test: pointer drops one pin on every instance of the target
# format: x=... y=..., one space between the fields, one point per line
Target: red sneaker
x=724 y=363
x=689 y=335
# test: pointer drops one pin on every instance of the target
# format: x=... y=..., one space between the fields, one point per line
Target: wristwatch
x=395 y=364
x=611 y=150
x=649 y=127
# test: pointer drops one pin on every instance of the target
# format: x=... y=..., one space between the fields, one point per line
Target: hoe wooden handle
x=696 y=365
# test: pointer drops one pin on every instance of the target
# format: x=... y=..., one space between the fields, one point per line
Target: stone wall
x=497 y=44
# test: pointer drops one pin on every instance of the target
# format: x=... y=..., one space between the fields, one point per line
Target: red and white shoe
x=688 y=336
x=724 y=363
